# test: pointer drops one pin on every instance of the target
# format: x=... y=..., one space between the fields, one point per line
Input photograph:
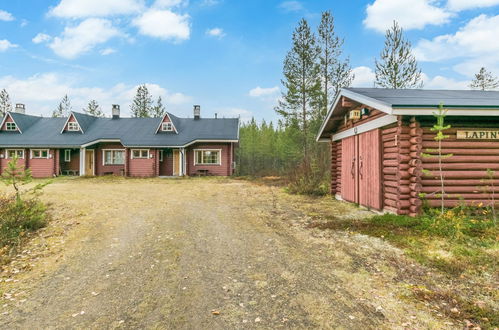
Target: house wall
x=74 y=164
x=43 y=167
x=143 y=167
x=4 y=161
x=100 y=168
x=7 y=120
x=71 y=119
x=225 y=169
x=166 y=166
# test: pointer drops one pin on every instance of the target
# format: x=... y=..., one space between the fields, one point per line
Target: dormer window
x=73 y=126
x=10 y=126
x=167 y=127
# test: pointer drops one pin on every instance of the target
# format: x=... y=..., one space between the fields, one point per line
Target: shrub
x=309 y=178
x=18 y=217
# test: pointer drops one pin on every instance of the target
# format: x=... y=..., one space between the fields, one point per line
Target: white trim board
x=373 y=124
x=67 y=121
x=5 y=119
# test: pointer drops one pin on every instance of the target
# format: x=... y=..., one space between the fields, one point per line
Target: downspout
x=82 y=161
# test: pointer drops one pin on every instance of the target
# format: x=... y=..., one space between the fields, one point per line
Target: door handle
x=361 y=165
x=353 y=168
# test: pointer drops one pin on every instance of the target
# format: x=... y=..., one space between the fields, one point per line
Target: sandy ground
x=200 y=254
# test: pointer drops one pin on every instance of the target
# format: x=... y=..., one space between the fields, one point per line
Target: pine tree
x=397 y=67
x=63 y=109
x=5 y=104
x=302 y=83
x=484 y=80
x=93 y=109
x=142 y=103
x=158 y=110
x=335 y=72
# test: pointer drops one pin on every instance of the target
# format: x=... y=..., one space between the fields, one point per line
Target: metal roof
x=131 y=132
x=401 y=98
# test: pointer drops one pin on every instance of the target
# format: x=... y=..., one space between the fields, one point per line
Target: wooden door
x=176 y=162
x=89 y=162
x=349 y=169
x=369 y=162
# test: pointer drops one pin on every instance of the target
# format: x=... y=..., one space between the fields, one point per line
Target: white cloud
x=42 y=92
x=410 y=14
x=476 y=39
x=243 y=114
x=169 y=3
x=291 y=6
x=83 y=37
x=216 y=32
x=458 y=5
x=107 y=51
x=364 y=77
x=96 y=8
x=41 y=37
x=441 y=82
x=6 y=16
x=163 y=24
x=260 y=92
x=6 y=45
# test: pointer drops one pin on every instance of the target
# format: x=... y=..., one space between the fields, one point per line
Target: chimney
x=216 y=115
x=116 y=111
x=20 y=108
x=197 y=111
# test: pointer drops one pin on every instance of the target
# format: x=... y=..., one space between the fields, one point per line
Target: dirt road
x=201 y=254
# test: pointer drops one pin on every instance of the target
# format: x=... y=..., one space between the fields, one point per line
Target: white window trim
x=133 y=150
x=161 y=155
x=8 y=150
x=167 y=124
x=104 y=157
x=10 y=129
x=40 y=150
x=66 y=153
x=75 y=128
x=202 y=164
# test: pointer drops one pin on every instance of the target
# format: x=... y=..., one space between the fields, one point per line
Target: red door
x=369 y=159
x=349 y=169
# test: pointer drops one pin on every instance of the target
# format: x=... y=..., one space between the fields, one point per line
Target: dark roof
x=427 y=97
x=132 y=132
x=23 y=121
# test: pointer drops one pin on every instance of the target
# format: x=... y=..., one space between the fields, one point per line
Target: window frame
x=67 y=152
x=33 y=151
x=112 y=157
x=15 y=150
x=169 y=124
x=73 y=126
x=11 y=128
x=140 y=152
x=161 y=155
x=219 y=163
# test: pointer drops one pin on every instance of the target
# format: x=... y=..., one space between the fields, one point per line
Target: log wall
x=335 y=188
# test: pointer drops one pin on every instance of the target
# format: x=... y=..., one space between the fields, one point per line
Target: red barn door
x=369 y=159
x=349 y=169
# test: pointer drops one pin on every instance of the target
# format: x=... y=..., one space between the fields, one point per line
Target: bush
x=309 y=178
x=18 y=217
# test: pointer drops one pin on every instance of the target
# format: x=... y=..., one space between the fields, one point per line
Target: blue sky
x=223 y=54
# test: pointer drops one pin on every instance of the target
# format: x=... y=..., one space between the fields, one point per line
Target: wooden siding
x=369 y=169
x=349 y=169
x=100 y=168
x=73 y=164
x=140 y=167
x=8 y=120
x=71 y=119
x=43 y=167
x=166 y=166
x=225 y=169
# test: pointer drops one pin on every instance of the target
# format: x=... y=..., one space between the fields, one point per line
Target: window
x=10 y=126
x=207 y=157
x=39 y=153
x=166 y=127
x=19 y=153
x=114 y=157
x=161 y=155
x=73 y=126
x=67 y=155
x=140 y=153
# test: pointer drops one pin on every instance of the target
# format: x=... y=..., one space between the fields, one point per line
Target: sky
x=225 y=55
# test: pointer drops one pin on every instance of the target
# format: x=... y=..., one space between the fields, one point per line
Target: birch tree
x=5 y=103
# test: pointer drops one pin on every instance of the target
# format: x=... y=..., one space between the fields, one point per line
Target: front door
x=89 y=162
x=176 y=167
x=349 y=169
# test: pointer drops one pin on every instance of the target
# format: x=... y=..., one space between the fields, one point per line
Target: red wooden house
x=141 y=147
x=384 y=155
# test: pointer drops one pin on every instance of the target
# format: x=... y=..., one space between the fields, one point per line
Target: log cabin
x=384 y=155
x=85 y=145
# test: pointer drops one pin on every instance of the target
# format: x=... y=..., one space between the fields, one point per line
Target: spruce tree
x=5 y=104
x=159 y=109
x=142 y=103
x=63 y=108
x=335 y=72
x=397 y=67
x=484 y=80
x=302 y=95
x=93 y=109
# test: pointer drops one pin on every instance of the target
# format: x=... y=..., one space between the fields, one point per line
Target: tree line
x=142 y=105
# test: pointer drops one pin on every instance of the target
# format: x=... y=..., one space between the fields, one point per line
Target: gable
x=8 y=123
x=166 y=125
x=72 y=125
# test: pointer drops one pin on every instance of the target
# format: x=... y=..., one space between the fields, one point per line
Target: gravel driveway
x=200 y=254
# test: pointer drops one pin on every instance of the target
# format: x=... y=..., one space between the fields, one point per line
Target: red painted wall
x=142 y=167
x=4 y=160
x=166 y=166
x=225 y=169
x=7 y=120
x=72 y=119
x=42 y=167
x=100 y=168
x=74 y=164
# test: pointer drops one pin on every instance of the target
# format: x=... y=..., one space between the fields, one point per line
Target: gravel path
x=203 y=254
